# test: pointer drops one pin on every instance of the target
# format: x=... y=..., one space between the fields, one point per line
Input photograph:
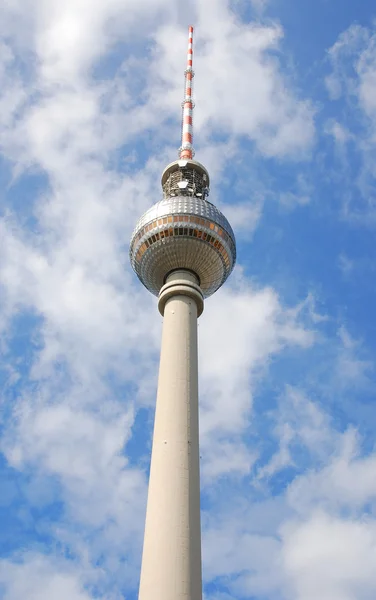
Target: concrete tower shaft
x=171 y=560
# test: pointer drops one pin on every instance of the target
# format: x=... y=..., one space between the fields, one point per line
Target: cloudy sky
x=285 y=121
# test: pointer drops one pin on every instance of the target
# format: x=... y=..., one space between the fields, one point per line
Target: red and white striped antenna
x=186 y=150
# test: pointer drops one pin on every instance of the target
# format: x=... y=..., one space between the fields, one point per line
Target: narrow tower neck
x=179 y=274
x=181 y=283
x=186 y=151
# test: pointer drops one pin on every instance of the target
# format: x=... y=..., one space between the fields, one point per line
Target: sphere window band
x=183 y=231
x=185 y=219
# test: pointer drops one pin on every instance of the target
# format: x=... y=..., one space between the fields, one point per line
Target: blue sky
x=285 y=122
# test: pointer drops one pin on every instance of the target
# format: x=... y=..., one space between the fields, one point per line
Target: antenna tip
x=191 y=28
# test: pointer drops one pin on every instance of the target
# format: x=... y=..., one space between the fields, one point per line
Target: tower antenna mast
x=186 y=150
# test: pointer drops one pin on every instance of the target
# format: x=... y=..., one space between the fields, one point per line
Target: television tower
x=182 y=250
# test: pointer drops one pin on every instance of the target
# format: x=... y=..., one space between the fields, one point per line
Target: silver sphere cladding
x=183 y=232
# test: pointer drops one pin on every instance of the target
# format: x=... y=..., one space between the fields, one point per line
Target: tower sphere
x=183 y=231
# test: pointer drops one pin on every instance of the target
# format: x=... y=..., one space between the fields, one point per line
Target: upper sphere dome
x=183 y=232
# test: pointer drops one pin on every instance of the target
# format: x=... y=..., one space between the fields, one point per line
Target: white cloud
x=353 y=81
x=39 y=578
x=339 y=133
x=349 y=43
x=67 y=39
x=254 y=327
x=330 y=558
x=300 y=194
x=301 y=426
x=366 y=69
x=345 y=482
x=317 y=538
x=346 y=265
x=244 y=217
x=353 y=367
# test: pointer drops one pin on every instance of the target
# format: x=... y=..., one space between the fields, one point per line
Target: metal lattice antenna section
x=186 y=150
